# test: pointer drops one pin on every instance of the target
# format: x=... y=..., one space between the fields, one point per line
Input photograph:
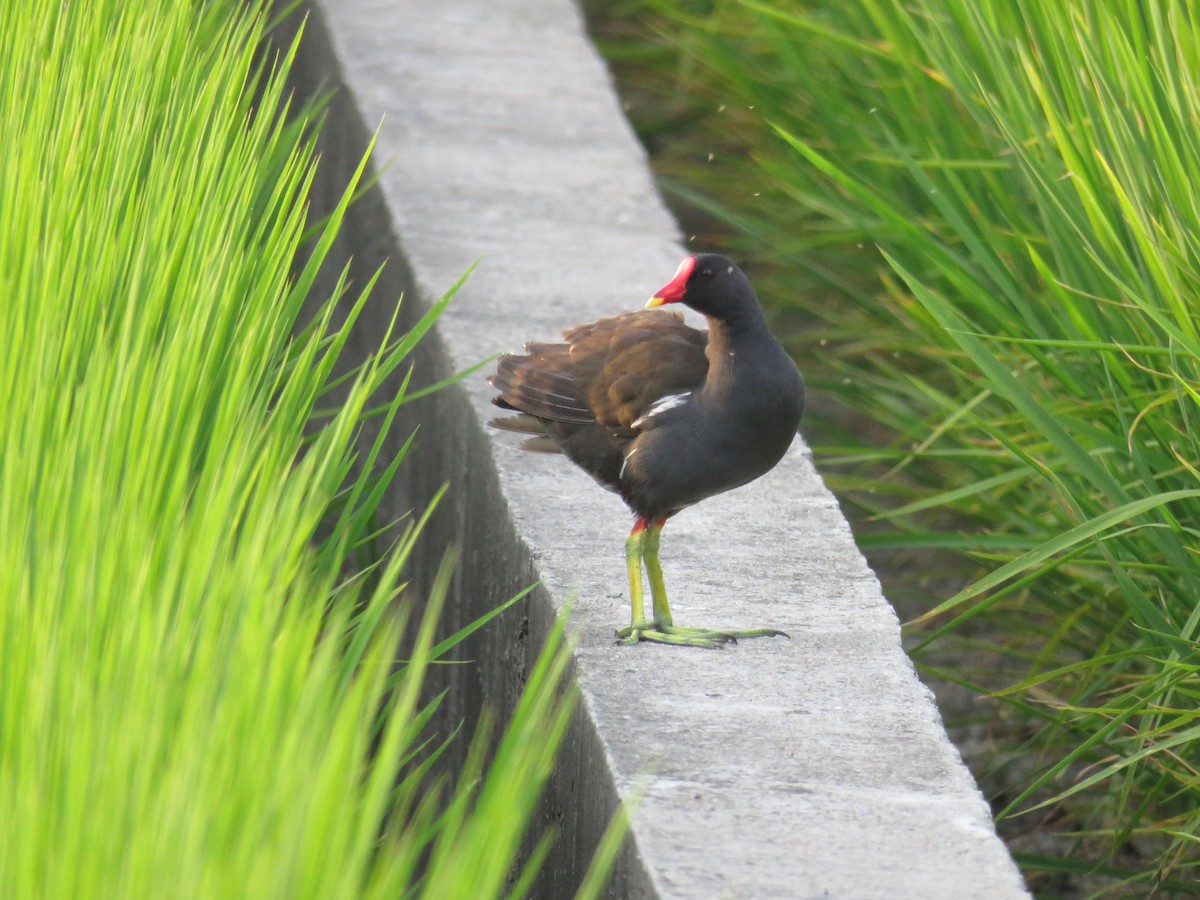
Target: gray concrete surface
x=810 y=767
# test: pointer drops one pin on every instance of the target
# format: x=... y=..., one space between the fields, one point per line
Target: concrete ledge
x=815 y=767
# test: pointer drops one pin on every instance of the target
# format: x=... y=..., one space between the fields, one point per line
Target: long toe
x=758 y=632
x=726 y=635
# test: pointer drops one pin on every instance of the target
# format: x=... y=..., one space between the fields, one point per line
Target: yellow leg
x=658 y=587
x=633 y=561
x=641 y=548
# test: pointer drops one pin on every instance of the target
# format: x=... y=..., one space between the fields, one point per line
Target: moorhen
x=662 y=413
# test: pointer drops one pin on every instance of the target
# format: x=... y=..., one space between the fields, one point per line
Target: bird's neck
x=729 y=337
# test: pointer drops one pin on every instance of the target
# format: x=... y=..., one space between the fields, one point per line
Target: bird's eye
x=706 y=273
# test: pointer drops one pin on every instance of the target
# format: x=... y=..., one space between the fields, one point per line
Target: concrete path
x=810 y=767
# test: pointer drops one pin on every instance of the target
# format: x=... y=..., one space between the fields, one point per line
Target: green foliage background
x=979 y=222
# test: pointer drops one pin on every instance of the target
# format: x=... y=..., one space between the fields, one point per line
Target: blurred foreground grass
x=196 y=699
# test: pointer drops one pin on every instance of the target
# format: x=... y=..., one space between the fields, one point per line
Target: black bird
x=662 y=413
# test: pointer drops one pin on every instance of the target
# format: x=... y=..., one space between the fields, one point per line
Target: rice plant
x=991 y=211
x=196 y=700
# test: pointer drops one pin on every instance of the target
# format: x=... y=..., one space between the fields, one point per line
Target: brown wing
x=542 y=383
x=583 y=396
x=608 y=372
x=631 y=360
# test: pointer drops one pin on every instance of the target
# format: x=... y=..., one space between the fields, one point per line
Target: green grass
x=196 y=699
x=984 y=217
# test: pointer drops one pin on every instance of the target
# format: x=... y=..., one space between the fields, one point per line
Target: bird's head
x=709 y=284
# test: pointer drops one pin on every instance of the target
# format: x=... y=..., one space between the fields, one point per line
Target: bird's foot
x=682 y=636
x=671 y=634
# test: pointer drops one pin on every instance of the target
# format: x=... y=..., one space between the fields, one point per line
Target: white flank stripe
x=661 y=405
x=625 y=462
